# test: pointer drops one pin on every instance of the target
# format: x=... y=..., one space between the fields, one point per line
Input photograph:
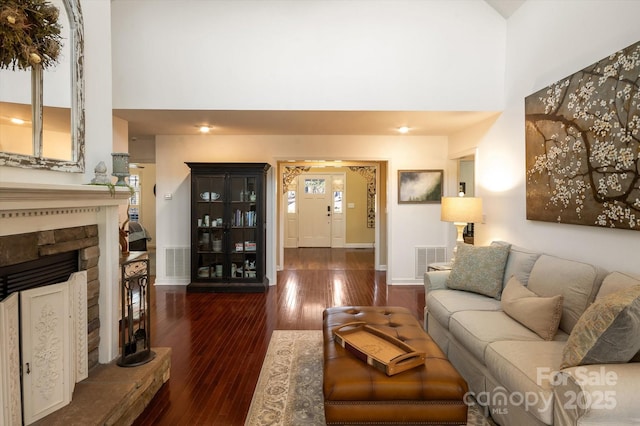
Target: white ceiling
x=146 y=123
x=505 y=7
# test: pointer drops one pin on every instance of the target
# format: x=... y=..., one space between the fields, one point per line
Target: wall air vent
x=427 y=255
x=177 y=262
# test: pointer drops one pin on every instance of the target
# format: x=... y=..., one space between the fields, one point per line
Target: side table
x=439 y=266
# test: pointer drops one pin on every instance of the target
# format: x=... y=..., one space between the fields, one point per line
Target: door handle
x=328 y=210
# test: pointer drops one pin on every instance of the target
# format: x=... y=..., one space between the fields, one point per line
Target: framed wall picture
x=583 y=145
x=419 y=186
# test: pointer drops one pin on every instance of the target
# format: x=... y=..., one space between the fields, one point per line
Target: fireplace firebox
x=43 y=271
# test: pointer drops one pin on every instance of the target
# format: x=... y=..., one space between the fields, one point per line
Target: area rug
x=289 y=389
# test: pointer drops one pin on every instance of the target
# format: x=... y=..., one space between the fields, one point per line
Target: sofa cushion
x=577 y=282
x=527 y=368
x=479 y=269
x=617 y=281
x=607 y=332
x=441 y=304
x=519 y=263
x=539 y=314
x=476 y=329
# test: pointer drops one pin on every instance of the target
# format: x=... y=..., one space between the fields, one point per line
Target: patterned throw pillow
x=539 y=314
x=607 y=332
x=479 y=269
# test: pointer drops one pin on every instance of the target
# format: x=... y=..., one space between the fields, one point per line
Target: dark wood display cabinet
x=228 y=227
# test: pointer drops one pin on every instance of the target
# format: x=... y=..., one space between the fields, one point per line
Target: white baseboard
x=406 y=281
x=359 y=245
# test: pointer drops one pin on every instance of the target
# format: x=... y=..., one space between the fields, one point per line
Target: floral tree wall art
x=583 y=146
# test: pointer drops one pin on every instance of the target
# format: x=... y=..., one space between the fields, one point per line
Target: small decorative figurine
x=101 y=177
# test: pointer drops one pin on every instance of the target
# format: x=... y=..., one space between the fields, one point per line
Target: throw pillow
x=479 y=269
x=539 y=314
x=607 y=332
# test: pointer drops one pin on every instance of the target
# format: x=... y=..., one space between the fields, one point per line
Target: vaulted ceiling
x=146 y=123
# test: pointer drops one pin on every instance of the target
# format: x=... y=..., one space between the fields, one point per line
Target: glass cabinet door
x=210 y=230
x=243 y=232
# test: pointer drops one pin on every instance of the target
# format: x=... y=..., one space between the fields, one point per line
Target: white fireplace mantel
x=37 y=196
x=30 y=207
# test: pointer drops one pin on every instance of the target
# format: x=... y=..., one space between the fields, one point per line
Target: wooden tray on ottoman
x=378 y=349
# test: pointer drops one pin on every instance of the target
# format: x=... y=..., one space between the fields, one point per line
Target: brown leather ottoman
x=358 y=394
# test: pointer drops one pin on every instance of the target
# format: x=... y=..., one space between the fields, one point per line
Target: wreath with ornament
x=29 y=34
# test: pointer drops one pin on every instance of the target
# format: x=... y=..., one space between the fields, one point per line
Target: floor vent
x=427 y=255
x=177 y=262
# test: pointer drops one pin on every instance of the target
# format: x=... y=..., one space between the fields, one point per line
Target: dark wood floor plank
x=219 y=340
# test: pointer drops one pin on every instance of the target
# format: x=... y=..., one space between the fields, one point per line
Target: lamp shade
x=461 y=209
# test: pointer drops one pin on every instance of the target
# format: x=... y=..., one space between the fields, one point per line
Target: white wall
x=308 y=55
x=120 y=144
x=148 y=207
x=120 y=135
x=409 y=225
x=547 y=41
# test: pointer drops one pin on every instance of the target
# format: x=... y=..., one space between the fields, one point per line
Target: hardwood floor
x=219 y=340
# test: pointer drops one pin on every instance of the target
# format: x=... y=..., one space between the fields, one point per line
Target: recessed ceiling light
x=204 y=129
x=17 y=120
x=403 y=130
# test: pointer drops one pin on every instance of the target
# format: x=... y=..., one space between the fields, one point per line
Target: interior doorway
x=466 y=176
x=467 y=186
x=342 y=201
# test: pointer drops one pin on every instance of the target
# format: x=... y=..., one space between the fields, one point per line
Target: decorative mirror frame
x=76 y=164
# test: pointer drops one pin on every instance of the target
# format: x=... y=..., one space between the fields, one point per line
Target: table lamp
x=461 y=211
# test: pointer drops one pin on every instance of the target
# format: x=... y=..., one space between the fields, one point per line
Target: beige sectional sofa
x=521 y=378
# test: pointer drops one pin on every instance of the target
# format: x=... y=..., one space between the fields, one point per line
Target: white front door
x=314 y=222
x=46 y=366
